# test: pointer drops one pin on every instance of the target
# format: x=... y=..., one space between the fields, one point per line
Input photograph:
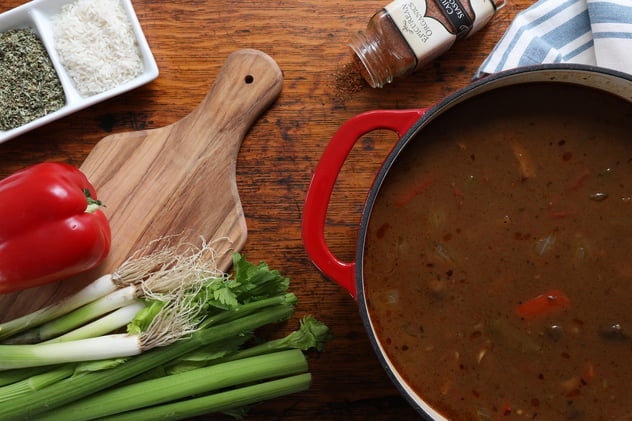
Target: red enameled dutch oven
x=409 y=125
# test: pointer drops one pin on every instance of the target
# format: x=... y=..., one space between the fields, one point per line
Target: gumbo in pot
x=498 y=259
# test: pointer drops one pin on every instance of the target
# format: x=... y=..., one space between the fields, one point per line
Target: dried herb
x=29 y=85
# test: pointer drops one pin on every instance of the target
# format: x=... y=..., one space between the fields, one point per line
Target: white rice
x=97 y=45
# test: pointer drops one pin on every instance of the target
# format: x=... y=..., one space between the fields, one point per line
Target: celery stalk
x=183 y=385
x=222 y=401
x=311 y=334
x=73 y=388
x=248 y=308
x=36 y=382
x=11 y=376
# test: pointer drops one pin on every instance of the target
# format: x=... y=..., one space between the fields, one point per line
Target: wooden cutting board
x=175 y=180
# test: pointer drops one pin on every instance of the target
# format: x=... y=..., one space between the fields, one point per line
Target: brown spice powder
x=347 y=81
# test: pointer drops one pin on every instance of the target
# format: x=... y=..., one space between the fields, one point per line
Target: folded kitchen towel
x=594 y=32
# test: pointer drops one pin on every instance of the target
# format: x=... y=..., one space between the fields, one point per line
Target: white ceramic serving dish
x=37 y=15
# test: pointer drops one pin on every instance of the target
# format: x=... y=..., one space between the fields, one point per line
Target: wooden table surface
x=190 y=40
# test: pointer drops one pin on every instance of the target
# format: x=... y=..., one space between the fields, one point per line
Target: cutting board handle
x=182 y=177
x=248 y=83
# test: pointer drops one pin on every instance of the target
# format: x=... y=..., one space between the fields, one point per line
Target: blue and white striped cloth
x=594 y=32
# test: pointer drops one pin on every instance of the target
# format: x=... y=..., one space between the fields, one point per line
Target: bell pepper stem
x=93 y=204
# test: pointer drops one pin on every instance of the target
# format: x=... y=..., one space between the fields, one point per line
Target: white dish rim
x=36 y=15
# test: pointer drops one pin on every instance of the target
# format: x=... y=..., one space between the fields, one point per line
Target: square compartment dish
x=37 y=15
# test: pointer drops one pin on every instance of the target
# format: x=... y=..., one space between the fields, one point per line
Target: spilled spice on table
x=348 y=81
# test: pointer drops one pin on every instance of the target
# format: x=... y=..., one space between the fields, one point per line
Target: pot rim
x=584 y=75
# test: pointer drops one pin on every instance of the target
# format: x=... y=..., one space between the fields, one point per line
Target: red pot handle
x=324 y=180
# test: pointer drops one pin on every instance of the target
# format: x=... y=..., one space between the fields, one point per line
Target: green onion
x=73 y=388
x=166 y=267
x=98 y=288
x=106 y=324
x=34 y=355
x=187 y=349
x=119 y=298
x=173 y=320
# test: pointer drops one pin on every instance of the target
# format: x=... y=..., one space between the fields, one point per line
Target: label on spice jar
x=430 y=27
x=456 y=14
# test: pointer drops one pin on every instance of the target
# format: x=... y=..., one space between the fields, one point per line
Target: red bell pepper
x=543 y=305
x=51 y=226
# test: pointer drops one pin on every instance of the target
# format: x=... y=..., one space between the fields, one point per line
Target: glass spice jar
x=407 y=34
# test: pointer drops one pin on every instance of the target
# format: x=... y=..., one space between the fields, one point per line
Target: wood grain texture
x=191 y=40
x=181 y=179
x=178 y=180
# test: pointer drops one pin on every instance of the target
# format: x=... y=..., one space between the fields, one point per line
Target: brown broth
x=507 y=196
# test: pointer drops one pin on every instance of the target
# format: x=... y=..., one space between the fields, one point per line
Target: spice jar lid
x=49 y=21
